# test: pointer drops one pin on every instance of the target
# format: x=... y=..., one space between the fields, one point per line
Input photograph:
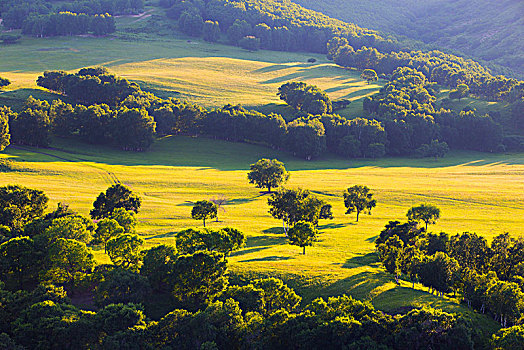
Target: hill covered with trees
x=491 y=31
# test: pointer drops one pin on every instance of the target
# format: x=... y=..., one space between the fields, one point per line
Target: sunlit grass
x=476 y=192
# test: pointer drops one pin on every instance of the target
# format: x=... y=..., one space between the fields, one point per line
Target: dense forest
x=489 y=31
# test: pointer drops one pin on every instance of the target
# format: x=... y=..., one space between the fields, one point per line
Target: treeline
x=15 y=12
x=438 y=67
x=279 y=25
x=488 y=278
x=406 y=107
x=45 y=260
x=403 y=119
x=68 y=23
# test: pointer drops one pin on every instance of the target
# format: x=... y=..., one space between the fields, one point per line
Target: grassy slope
x=208 y=74
x=476 y=192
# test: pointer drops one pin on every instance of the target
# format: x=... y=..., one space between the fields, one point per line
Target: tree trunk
x=358 y=212
x=268 y=189
x=304 y=250
x=204 y=222
x=426 y=226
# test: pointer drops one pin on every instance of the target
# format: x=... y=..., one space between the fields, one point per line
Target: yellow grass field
x=476 y=192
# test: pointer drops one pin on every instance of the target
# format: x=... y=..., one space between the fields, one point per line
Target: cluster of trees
x=45 y=261
x=488 y=278
x=129 y=129
x=68 y=23
x=436 y=66
x=406 y=107
x=274 y=25
x=89 y=85
x=287 y=26
x=404 y=120
x=65 y=18
x=306 y=98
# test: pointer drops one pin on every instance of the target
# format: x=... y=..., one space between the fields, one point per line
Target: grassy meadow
x=476 y=192
x=211 y=75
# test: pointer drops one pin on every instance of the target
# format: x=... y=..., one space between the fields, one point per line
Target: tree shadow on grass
x=264 y=241
x=334 y=226
x=361 y=260
x=244 y=200
x=269 y=258
x=162 y=235
x=371 y=239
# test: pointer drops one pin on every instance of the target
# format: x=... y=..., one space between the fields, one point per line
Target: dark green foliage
x=107 y=229
x=427 y=213
x=89 y=86
x=268 y=174
x=277 y=295
x=470 y=250
x=134 y=129
x=69 y=262
x=197 y=279
x=191 y=23
x=250 y=43
x=67 y=23
x=116 y=196
x=435 y=149
x=45 y=324
x=224 y=240
x=302 y=234
x=203 y=210
x=124 y=250
x=156 y=265
x=433 y=329
x=359 y=199
x=407 y=232
x=121 y=286
x=369 y=75
x=240 y=29
x=354 y=138
x=4 y=81
x=248 y=297
x=211 y=31
x=234 y=123
x=307 y=98
x=5 y=136
x=306 y=138
x=438 y=272
x=31 y=127
x=511 y=338
x=292 y=206
x=19 y=260
x=19 y=205
x=70 y=227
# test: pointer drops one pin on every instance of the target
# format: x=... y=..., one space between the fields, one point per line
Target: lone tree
x=424 y=212
x=267 y=173
x=302 y=234
x=369 y=75
x=204 y=210
x=116 y=196
x=358 y=198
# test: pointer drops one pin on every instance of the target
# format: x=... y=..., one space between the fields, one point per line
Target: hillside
x=491 y=31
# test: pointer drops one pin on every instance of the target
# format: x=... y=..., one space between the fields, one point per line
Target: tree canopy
x=268 y=174
x=359 y=199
